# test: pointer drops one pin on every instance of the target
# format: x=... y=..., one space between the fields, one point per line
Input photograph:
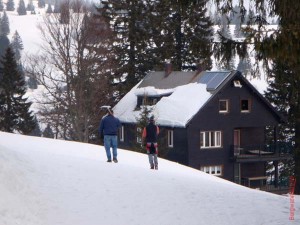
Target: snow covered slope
x=53 y=182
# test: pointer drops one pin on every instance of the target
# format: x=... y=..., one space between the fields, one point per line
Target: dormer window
x=150 y=101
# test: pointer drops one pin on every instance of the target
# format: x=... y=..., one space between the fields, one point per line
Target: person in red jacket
x=150 y=133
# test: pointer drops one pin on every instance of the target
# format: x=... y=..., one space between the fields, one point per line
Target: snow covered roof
x=182 y=94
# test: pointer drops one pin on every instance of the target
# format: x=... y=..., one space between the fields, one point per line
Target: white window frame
x=227 y=106
x=121 y=133
x=216 y=170
x=170 y=138
x=139 y=135
x=210 y=139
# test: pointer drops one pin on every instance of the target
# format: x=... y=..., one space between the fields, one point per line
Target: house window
x=149 y=101
x=170 y=138
x=121 y=133
x=245 y=105
x=213 y=170
x=223 y=106
x=139 y=135
x=210 y=139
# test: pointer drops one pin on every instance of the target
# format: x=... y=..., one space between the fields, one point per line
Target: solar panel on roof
x=213 y=79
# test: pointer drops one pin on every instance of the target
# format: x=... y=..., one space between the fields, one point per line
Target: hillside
x=46 y=181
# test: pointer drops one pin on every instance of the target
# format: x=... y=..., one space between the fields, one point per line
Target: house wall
x=129 y=136
x=251 y=126
x=178 y=153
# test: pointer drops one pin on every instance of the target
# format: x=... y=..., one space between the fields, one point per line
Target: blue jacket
x=109 y=125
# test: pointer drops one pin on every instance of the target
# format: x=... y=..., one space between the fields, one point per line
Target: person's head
x=151 y=119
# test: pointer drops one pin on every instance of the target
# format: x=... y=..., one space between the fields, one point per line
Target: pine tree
x=4 y=31
x=30 y=6
x=4 y=43
x=32 y=82
x=4 y=25
x=244 y=66
x=41 y=3
x=142 y=121
x=21 y=8
x=65 y=12
x=180 y=32
x=15 y=115
x=1 y=6
x=187 y=34
x=17 y=46
x=133 y=54
x=56 y=7
x=228 y=61
x=217 y=18
x=37 y=130
x=49 y=9
x=283 y=94
x=48 y=133
x=10 y=5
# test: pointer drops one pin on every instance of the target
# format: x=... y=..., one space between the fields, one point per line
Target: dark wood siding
x=251 y=125
x=129 y=136
x=179 y=151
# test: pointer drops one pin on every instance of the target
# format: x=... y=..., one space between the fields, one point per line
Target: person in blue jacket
x=108 y=129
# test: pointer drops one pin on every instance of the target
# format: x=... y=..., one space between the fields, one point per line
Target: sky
x=48 y=181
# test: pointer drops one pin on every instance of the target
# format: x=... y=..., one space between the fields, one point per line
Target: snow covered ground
x=54 y=182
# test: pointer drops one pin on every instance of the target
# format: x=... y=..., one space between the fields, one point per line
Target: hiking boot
x=115 y=160
x=152 y=167
x=156 y=167
x=109 y=160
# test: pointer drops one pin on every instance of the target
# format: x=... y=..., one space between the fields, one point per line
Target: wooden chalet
x=221 y=129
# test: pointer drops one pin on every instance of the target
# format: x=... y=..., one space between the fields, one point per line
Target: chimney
x=199 y=68
x=168 y=69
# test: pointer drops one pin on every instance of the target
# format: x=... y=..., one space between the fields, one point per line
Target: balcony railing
x=265 y=150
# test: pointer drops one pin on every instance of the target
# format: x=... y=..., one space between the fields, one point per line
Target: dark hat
x=151 y=118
